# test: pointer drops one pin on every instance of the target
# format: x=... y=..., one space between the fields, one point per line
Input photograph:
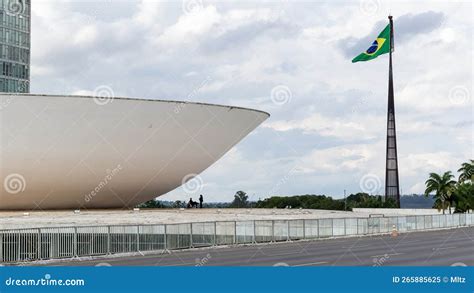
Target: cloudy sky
x=291 y=59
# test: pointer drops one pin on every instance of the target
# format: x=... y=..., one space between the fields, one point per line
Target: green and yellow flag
x=380 y=46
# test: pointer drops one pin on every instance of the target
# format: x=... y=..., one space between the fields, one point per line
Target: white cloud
x=189 y=27
x=86 y=36
x=148 y=11
x=346 y=128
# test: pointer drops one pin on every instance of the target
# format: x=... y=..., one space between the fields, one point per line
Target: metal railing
x=23 y=245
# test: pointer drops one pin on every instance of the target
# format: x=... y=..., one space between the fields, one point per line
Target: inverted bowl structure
x=62 y=152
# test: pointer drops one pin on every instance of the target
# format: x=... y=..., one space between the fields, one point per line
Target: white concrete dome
x=63 y=152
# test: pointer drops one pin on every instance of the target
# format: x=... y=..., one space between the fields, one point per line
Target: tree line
x=307 y=201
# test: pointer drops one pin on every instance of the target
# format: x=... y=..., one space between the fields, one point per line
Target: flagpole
x=392 y=187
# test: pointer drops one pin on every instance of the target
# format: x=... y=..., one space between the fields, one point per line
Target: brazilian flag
x=380 y=46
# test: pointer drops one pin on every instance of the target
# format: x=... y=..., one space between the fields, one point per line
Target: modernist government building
x=70 y=152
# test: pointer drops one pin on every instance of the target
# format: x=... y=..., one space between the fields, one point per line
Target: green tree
x=390 y=203
x=467 y=172
x=308 y=201
x=241 y=200
x=152 y=204
x=364 y=200
x=464 y=197
x=442 y=186
x=178 y=204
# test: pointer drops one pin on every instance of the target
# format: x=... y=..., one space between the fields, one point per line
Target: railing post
x=39 y=244
x=288 y=230
x=254 y=232
x=332 y=225
x=273 y=231
x=2 y=256
x=191 y=235
x=75 y=241
x=235 y=232
x=317 y=227
x=304 y=228
x=18 y=245
x=138 y=238
x=165 y=239
x=108 y=239
x=215 y=233
x=345 y=229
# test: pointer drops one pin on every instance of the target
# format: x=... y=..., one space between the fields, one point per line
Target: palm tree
x=464 y=197
x=467 y=171
x=443 y=187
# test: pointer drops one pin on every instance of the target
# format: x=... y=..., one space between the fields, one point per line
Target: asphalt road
x=434 y=248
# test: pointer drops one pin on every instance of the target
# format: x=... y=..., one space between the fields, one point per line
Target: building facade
x=15 y=27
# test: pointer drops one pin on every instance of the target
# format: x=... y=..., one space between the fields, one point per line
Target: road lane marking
x=176 y=264
x=387 y=254
x=359 y=246
x=441 y=248
x=408 y=242
x=309 y=264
